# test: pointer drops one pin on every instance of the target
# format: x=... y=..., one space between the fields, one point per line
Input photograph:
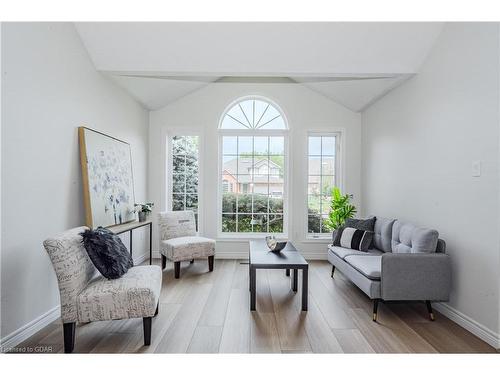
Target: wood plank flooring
x=209 y=313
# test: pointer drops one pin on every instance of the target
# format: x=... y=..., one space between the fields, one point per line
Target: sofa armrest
x=415 y=277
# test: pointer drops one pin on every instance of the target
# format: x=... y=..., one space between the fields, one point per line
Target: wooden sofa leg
x=163 y=262
x=177 y=269
x=333 y=270
x=210 y=263
x=146 y=323
x=375 y=308
x=429 y=310
x=69 y=337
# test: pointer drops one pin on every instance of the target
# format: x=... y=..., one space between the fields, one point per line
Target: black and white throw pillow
x=353 y=238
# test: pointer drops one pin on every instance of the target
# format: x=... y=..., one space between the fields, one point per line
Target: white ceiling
x=351 y=63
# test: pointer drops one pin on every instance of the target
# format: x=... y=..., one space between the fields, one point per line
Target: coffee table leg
x=253 y=287
x=305 y=293
x=295 y=279
x=287 y=272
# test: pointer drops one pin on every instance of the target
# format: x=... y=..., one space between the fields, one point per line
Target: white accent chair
x=87 y=296
x=179 y=242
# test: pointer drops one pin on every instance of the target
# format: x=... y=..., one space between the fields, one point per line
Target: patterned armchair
x=86 y=296
x=179 y=242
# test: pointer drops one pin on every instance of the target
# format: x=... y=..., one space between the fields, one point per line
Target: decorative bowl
x=274 y=245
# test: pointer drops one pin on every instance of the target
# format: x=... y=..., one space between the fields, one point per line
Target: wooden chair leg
x=157 y=306
x=146 y=323
x=177 y=269
x=69 y=337
x=333 y=270
x=210 y=263
x=163 y=262
x=375 y=308
x=429 y=310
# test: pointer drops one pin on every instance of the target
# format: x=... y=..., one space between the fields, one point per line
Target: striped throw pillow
x=353 y=238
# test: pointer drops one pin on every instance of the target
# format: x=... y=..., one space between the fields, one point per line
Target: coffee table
x=288 y=259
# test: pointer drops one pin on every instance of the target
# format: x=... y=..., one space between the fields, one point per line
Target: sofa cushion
x=369 y=266
x=187 y=248
x=342 y=252
x=134 y=295
x=408 y=238
x=383 y=234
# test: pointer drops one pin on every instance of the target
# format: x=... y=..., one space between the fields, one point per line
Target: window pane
x=261 y=146
x=245 y=223
x=245 y=146
x=324 y=228
x=228 y=223
x=313 y=204
x=313 y=224
x=192 y=202
x=230 y=164
x=260 y=184
x=314 y=145
x=277 y=165
x=275 y=204
x=315 y=165
x=229 y=202
x=178 y=145
x=178 y=202
x=313 y=186
x=260 y=223
x=328 y=146
x=327 y=183
x=260 y=203
x=276 y=223
x=244 y=203
x=179 y=163
x=277 y=145
x=328 y=165
x=178 y=183
x=229 y=145
x=325 y=204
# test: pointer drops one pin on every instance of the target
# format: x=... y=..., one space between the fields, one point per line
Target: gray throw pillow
x=363 y=224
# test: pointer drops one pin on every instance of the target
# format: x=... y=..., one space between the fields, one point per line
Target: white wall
x=419 y=143
x=304 y=109
x=49 y=88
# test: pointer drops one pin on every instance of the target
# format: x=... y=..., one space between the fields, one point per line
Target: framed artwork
x=108 y=184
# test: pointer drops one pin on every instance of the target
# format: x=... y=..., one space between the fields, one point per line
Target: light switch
x=476 y=168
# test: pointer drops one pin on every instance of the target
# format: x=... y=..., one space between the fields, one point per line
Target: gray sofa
x=406 y=263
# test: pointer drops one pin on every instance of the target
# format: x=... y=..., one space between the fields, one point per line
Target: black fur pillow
x=107 y=252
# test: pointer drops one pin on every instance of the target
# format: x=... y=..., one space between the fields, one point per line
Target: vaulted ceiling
x=354 y=64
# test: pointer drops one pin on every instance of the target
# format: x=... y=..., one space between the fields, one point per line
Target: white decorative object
x=108 y=183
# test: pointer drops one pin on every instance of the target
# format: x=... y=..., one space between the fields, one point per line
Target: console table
x=129 y=227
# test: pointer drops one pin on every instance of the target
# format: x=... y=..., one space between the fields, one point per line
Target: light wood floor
x=209 y=312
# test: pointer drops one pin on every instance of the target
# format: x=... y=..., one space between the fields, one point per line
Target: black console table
x=129 y=227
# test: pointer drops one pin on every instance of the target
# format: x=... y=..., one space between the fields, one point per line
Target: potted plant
x=144 y=209
x=340 y=210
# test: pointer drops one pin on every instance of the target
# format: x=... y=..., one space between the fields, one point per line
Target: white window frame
x=338 y=181
x=170 y=168
x=286 y=173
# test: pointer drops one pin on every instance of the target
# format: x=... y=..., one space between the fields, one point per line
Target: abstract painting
x=108 y=184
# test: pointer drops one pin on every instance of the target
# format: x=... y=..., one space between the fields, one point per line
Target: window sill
x=243 y=238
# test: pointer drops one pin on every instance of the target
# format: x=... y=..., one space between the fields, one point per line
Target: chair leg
x=333 y=270
x=375 y=308
x=146 y=323
x=157 y=306
x=177 y=269
x=287 y=272
x=429 y=310
x=163 y=262
x=69 y=337
x=191 y=261
x=210 y=263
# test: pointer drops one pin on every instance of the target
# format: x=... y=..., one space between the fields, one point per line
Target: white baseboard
x=477 y=329
x=29 y=329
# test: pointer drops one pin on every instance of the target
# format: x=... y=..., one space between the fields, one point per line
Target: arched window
x=253 y=161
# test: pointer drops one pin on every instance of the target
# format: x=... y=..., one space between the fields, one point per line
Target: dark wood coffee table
x=288 y=259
